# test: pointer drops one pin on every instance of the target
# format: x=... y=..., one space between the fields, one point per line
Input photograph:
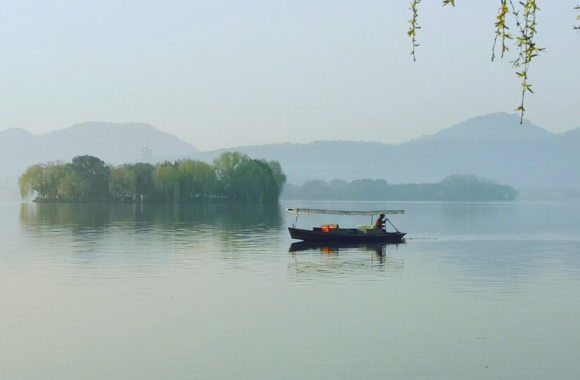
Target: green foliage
x=453 y=188
x=92 y=178
x=132 y=182
x=123 y=182
x=30 y=181
x=242 y=178
x=278 y=176
x=526 y=45
x=144 y=187
x=166 y=181
x=412 y=32
x=234 y=176
x=228 y=172
x=52 y=182
x=196 y=179
x=501 y=30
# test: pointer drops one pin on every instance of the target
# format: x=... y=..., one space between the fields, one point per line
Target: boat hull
x=346 y=235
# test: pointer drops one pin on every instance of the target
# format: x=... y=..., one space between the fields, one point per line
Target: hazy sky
x=224 y=73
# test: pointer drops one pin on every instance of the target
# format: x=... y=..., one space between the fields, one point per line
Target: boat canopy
x=312 y=211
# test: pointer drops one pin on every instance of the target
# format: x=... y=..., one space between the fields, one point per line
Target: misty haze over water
x=479 y=290
x=538 y=163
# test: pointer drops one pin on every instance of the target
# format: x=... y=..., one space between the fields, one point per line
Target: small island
x=232 y=176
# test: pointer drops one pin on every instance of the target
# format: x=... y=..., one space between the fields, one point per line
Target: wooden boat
x=363 y=233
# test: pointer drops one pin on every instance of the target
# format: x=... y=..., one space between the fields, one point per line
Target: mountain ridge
x=493 y=146
x=533 y=161
x=115 y=143
x=496 y=126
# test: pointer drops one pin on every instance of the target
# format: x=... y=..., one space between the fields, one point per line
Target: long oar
x=387 y=219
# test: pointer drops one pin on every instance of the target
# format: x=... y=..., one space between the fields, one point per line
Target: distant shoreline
x=457 y=188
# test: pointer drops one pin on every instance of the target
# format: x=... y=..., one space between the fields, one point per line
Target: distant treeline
x=233 y=176
x=452 y=188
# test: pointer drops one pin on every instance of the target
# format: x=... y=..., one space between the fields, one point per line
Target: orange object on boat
x=328 y=227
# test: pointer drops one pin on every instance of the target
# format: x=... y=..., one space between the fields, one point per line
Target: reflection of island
x=143 y=234
x=340 y=258
x=99 y=216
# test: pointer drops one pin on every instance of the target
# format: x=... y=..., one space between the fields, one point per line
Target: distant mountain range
x=114 y=143
x=494 y=146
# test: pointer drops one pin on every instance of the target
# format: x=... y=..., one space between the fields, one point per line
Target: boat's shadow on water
x=334 y=258
x=335 y=247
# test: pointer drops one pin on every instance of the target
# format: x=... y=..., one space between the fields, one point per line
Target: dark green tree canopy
x=234 y=176
x=92 y=177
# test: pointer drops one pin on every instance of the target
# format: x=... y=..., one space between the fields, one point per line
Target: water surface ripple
x=477 y=291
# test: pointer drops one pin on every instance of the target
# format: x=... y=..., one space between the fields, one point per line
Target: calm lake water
x=478 y=291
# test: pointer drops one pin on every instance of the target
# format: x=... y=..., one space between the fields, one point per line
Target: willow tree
x=196 y=179
x=521 y=16
x=53 y=181
x=227 y=168
x=166 y=181
x=256 y=182
x=278 y=176
x=30 y=181
x=243 y=178
x=144 y=186
x=123 y=182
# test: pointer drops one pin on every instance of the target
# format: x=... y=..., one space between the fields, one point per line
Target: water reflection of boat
x=363 y=233
x=335 y=247
x=335 y=258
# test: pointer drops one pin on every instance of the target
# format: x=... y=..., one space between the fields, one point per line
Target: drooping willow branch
x=501 y=30
x=524 y=17
x=414 y=26
x=526 y=46
x=577 y=26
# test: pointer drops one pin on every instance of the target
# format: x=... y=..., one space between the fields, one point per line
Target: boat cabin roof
x=313 y=211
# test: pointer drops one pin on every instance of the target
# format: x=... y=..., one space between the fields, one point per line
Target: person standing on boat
x=380 y=222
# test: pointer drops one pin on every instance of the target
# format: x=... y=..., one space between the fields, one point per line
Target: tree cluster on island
x=455 y=188
x=232 y=176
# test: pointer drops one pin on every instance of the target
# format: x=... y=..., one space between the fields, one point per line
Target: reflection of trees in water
x=96 y=216
x=225 y=215
x=143 y=234
x=321 y=258
x=75 y=216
